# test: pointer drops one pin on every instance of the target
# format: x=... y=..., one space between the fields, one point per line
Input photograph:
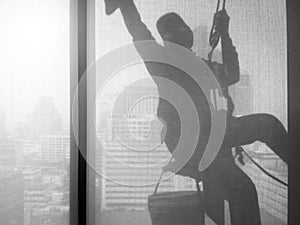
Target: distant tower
x=45 y=119
x=201 y=44
x=242 y=95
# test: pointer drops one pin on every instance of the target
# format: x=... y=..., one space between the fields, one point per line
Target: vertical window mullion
x=78 y=52
x=91 y=114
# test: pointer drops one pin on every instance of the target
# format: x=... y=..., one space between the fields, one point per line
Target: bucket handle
x=160 y=178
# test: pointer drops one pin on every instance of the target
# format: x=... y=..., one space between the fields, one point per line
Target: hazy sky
x=34 y=43
x=34 y=56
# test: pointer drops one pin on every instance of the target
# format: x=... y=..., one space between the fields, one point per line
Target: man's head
x=172 y=28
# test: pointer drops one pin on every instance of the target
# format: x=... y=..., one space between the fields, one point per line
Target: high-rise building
x=138 y=99
x=131 y=150
x=54 y=148
x=45 y=195
x=273 y=197
x=133 y=168
x=34 y=195
x=11 y=184
x=11 y=196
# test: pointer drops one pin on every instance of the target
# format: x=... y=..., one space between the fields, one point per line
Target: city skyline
x=34 y=165
x=35 y=108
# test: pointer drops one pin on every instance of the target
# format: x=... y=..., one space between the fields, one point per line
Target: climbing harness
x=214 y=39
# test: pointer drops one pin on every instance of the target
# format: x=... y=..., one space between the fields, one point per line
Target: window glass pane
x=34 y=112
x=258 y=31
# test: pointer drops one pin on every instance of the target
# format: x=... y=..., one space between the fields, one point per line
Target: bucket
x=177 y=208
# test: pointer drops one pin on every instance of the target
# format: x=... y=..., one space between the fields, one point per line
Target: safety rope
x=214 y=37
x=265 y=171
x=160 y=178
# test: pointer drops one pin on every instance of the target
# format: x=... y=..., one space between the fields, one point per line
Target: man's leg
x=242 y=198
x=225 y=180
x=214 y=201
x=266 y=128
x=215 y=187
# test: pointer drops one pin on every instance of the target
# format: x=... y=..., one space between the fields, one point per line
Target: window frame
x=293 y=32
x=82 y=53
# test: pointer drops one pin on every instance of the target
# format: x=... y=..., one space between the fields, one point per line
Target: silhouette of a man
x=223 y=179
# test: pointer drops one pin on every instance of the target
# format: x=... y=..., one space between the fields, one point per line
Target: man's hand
x=112 y=5
x=221 y=20
x=239 y=154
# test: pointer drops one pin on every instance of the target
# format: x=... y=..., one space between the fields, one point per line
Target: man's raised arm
x=133 y=22
x=229 y=53
x=230 y=60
